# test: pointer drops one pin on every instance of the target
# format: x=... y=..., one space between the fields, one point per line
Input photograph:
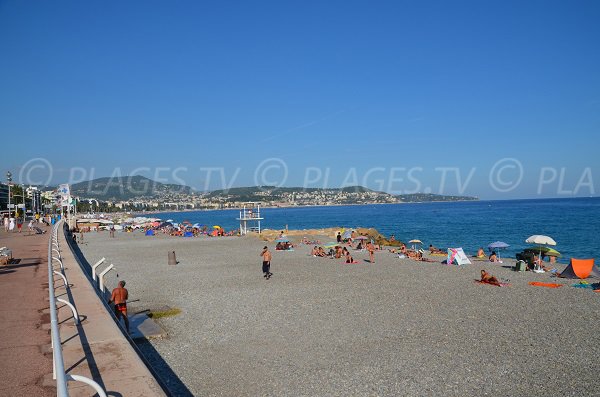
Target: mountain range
x=125 y=188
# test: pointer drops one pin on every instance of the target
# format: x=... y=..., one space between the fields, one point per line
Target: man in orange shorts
x=119 y=297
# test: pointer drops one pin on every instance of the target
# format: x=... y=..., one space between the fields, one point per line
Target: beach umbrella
x=216 y=227
x=330 y=245
x=347 y=234
x=282 y=240
x=414 y=243
x=498 y=245
x=361 y=238
x=541 y=241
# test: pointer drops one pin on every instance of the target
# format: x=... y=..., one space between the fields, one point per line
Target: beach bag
x=520 y=266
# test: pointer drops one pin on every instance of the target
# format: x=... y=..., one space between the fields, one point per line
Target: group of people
x=339 y=252
x=14 y=223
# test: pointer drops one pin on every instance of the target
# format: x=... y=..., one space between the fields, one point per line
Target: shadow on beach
x=162 y=372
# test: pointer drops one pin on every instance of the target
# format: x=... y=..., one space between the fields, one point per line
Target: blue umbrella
x=282 y=240
x=498 y=245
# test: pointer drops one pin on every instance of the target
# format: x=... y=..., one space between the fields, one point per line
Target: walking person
x=119 y=297
x=266 y=265
x=6 y=223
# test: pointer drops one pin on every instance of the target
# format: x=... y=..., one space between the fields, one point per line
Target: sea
x=574 y=223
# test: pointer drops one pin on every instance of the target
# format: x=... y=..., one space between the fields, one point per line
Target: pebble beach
x=320 y=327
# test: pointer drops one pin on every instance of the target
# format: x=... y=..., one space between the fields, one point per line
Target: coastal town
x=139 y=194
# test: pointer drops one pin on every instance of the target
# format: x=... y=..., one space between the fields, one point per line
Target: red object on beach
x=547 y=285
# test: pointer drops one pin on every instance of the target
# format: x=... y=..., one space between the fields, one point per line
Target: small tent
x=456 y=256
x=580 y=268
x=150 y=232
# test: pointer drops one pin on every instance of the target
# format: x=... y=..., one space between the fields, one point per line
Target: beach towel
x=584 y=286
x=487 y=282
x=547 y=285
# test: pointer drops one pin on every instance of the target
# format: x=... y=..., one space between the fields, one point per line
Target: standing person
x=11 y=224
x=266 y=265
x=30 y=226
x=371 y=250
x=6 y=223
x=112 y=231
x=119 y=297
x=20 y=223
x=339 y=237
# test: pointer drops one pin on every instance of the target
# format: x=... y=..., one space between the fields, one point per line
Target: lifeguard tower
x=250 y=214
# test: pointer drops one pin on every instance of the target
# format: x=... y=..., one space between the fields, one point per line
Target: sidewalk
x=97 y=348
x=24 y=322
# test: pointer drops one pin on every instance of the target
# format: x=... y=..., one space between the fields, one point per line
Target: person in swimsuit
x=119 y=297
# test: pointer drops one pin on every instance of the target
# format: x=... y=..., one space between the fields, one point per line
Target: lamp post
x=9 y=179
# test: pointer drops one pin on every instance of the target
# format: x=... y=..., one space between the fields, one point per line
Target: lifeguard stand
x=249 y=213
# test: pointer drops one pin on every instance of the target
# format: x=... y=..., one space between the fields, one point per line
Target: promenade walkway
x=96 y=348
x=24 y=317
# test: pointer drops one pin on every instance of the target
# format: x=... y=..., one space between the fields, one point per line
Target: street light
x=9 y=179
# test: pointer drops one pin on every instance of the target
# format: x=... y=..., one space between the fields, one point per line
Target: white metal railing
x=58 y=364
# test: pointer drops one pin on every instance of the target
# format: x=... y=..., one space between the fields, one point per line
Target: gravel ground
x=323 y=328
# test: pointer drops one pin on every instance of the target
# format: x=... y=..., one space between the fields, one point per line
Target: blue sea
x=573 y=223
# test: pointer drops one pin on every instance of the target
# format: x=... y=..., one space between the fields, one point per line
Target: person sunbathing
x=359 y=246
x=434 y=250
x=349 y=258
x=494 y=257
x=489 y=279
x=480 y=253
x=321 y=252
x=413 y=254
x=315 y=251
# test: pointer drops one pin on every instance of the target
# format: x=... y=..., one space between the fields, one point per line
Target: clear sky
x=498 y=99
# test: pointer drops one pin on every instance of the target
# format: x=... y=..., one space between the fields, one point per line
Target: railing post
x=60 y=262
x=75 y=315
x=101 y=261
x=101 y=277
x=83 y=379
x=63 y=277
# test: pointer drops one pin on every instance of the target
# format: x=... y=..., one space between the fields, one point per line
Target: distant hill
x=126 y=188
x=429 y=197
x=266 y=193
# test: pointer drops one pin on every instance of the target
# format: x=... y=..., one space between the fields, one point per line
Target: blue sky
x=494 y=99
